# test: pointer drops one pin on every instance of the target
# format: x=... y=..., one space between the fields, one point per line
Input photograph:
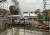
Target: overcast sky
x=30 y=5
x=26 y=5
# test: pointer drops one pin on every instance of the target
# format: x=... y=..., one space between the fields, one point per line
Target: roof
x=13 y=16
x=31 y=14
x=25 y=15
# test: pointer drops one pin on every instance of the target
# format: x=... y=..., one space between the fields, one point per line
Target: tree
x=31 y=12
x=41 y=18
x=25 y=12
x=3 y=11
x=37 y=11
x=47 y=14
x=14 y=10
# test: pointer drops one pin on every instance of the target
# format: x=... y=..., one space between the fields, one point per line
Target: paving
x=23 y=31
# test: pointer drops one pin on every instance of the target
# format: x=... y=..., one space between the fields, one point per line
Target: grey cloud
x=27 y=5
x=30 y=6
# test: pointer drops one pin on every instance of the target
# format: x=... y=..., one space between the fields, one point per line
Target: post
x=48 y=24
x=11 y=22
x=24 y=21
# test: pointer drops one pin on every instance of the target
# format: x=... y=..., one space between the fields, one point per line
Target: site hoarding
x=48 y=12
x=49 y=16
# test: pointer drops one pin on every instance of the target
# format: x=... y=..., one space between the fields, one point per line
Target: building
x=30 y=16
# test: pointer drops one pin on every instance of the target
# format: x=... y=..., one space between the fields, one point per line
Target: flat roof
x=19 y=16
